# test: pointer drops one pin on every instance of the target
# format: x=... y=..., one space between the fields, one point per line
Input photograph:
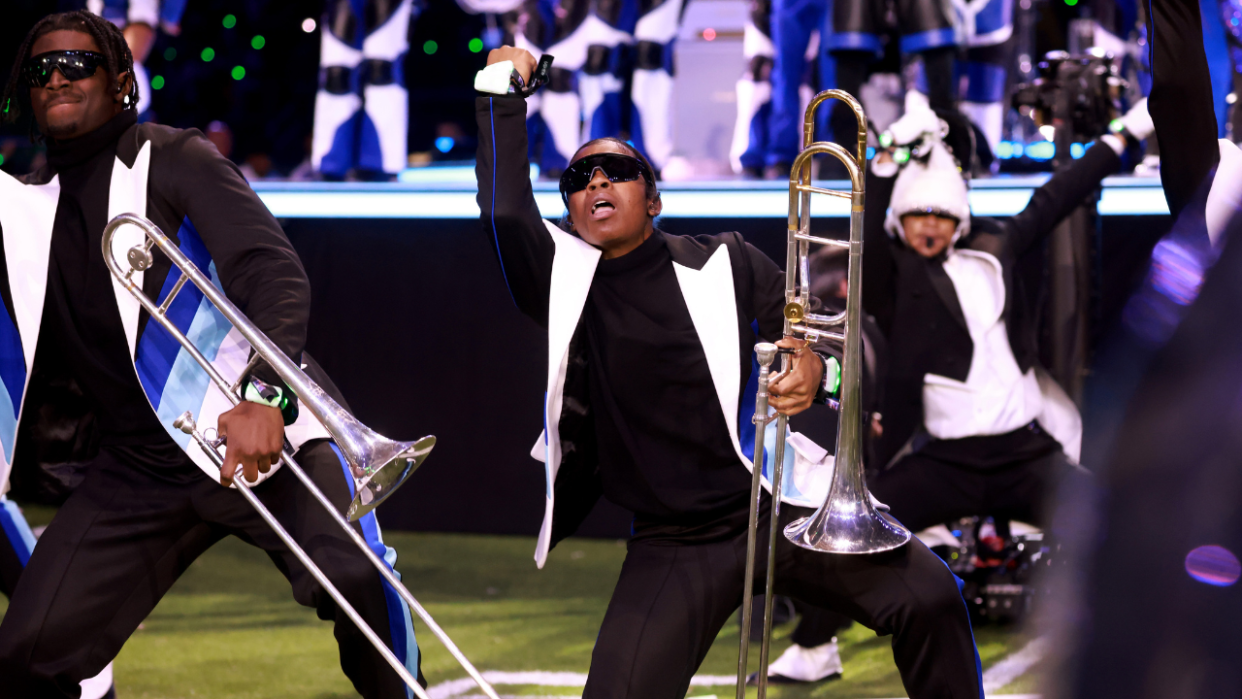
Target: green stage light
x=1 y=158
x=230 y=21
x=258 y=42
x=209 y=54
x=239 y=72
x=170 y=54
x=430 y=48
x=476 y=45
x=157 y=82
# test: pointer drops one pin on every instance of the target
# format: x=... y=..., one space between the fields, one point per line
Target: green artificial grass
x=229 y=629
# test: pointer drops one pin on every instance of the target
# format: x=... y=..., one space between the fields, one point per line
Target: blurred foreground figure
x=362 y=109
x=1163 y=416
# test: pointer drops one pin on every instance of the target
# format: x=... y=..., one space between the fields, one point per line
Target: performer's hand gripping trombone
x=846 y=522
x=379 y=465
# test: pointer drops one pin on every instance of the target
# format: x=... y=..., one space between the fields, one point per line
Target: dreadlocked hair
x=108 y=37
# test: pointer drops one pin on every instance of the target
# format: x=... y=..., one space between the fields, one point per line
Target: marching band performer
x=650 y=343
x=987 y=28
x=971 y=424
x=1165 y=414
x=149 y=504
x=362 y=108
x=850 y=40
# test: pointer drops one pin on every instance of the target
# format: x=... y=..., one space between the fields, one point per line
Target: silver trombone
x=846 y=522
x=378 y=465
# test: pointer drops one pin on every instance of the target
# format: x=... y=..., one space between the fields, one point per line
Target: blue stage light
x=1076 y=150
x=1004 y=150
x=445 y=144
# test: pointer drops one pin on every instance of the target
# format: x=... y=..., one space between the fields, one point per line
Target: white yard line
x=1010 y=668
x=999 y=675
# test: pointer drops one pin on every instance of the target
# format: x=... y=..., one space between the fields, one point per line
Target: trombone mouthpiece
x=185 y=422
x=765 y=352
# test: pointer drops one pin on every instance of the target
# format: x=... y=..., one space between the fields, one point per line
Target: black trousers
x=1011 y=476
x=126 y=535
x=673 y=598
x=817 y=626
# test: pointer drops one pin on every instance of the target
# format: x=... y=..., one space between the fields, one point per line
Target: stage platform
x=449 y=193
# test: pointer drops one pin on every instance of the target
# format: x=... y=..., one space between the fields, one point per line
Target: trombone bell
x=848 y=523
x=397 y=461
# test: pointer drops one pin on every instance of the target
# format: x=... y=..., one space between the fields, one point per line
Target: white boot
x=798 y=664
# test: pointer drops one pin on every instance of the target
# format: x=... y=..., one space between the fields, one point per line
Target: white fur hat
x=936 y=187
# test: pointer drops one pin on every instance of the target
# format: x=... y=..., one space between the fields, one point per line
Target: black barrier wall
x=413 y=321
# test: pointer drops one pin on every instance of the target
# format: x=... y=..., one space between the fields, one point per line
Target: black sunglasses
x=615 y=166
x=74 y=65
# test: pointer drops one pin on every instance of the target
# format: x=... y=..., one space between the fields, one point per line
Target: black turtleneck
x=81 y=328
x=81 y=331
x=664 y=448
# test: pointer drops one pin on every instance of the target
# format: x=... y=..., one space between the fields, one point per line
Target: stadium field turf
x=229 y=628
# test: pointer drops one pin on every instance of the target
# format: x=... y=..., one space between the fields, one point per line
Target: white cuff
x=494 y=79
x=1138 y=121
x=1117 y=143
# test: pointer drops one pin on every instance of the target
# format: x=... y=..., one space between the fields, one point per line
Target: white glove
x=919 y=119
x=1138 y=122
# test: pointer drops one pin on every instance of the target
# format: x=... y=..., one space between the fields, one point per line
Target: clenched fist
x=522 y=59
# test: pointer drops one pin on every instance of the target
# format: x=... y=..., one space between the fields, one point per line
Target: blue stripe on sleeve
x=16 y=530
x=12 y=382
x=491 y=111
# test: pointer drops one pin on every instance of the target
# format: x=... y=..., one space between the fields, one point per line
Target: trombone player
x=650 y=347
x=148 y=507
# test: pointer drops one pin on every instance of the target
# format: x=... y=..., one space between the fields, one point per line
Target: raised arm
x=511 y=221
x=1181 y=99
x=878 y=270
x=1063 y=192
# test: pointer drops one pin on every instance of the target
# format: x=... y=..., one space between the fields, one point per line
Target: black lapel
x=944 y=288
x=690 y=252
x=127 y=146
